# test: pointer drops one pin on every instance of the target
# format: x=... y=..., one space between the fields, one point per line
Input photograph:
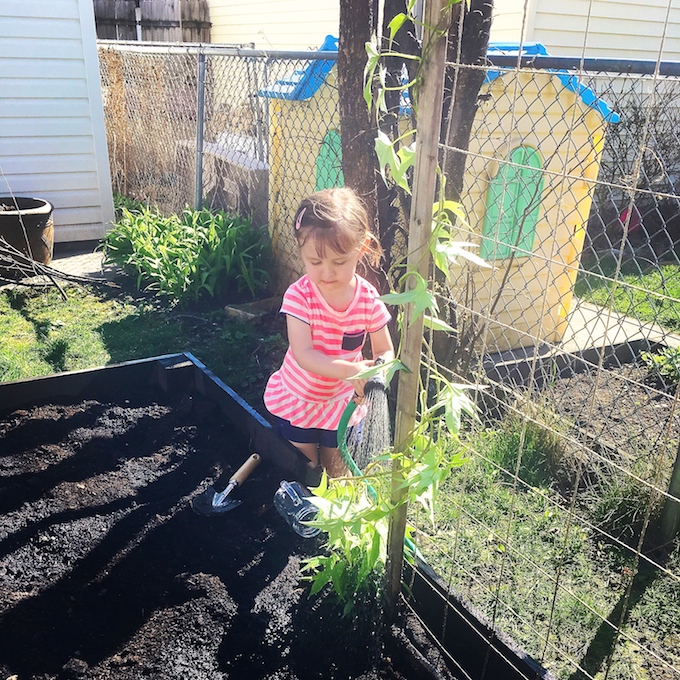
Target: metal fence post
x=200 y=119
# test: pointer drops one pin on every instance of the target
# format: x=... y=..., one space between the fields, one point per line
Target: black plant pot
x=27 y=225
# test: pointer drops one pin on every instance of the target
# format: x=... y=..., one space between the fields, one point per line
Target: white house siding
x=52 y=134
x=596 y=28
x=283 y=25
x=508 y=16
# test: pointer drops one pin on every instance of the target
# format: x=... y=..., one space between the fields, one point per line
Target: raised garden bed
x=107 y=572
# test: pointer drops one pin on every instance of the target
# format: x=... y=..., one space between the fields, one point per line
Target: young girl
x=329 y=312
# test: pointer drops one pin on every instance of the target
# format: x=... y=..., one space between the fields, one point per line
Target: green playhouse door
x=512 y=205
x=329 y=162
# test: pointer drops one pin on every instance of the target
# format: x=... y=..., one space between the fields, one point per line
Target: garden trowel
x=213 y=502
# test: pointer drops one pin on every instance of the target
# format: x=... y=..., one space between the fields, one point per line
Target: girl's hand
x=358 y=383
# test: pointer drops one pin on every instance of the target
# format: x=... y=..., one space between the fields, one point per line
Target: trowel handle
x=244 y=471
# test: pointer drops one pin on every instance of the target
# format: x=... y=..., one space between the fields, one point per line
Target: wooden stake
x=429 y=100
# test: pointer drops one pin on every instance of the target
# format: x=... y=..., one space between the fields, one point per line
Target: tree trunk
x=357 y=24
x=468 y=42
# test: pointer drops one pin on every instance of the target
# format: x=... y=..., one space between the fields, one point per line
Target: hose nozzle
x=376 y=382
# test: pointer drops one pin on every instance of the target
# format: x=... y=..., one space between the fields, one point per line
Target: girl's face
x=331 y=273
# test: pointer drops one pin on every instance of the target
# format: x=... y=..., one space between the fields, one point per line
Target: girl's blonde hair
x=336 y=219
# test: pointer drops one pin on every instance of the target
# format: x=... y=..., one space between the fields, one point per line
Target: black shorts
x=301 y=435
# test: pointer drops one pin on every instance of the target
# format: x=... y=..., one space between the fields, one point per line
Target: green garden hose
x=342 y=439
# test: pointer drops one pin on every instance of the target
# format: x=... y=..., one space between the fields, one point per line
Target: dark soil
x=623 y=408
x=107 y=572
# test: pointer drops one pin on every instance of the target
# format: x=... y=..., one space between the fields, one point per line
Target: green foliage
x=664 y=364
x=191 y=256
x=420 y=296
x=509 y=545
x=657 y=612
x=121 y=202
x=354 y=513
x=399 y=161
x=619 y=501
x=41 y=333
x=650 y=296
x=528 y=448
x=356 y=529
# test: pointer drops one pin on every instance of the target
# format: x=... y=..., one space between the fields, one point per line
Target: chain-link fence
x=561 y=527
x=255 y=134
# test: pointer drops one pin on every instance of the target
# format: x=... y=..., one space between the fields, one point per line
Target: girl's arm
x=381 y=344
x=300 y=341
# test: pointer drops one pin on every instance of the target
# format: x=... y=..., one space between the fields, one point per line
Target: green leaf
x=450 y=206
x=437 y=324
x=387 y=156
x=394 y=26
x=373 y=58
x=320 y=581
x=419 y=296
x=407 y=157
x=389 y=368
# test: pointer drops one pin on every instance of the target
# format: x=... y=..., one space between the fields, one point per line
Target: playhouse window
x=512 y=205
x=329 y=162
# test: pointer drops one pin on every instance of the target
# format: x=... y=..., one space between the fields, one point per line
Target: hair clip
x=298 y=221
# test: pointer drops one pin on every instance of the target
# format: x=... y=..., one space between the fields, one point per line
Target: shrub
x=131 y=204
x=664 y=364
x=191 y=256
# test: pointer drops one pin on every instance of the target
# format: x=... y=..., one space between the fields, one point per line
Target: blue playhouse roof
x=303 y=83
x=569 y=80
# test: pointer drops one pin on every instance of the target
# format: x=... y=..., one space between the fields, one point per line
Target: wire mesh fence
x=561 y=527
x=255 y=134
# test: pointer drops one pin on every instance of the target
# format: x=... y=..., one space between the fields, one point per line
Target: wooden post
x=670 y=516
x=429 y=111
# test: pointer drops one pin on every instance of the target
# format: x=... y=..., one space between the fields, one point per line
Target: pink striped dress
x=308 y=400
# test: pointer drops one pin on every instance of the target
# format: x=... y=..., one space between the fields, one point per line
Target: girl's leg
x=310 y=450
x=332 y=462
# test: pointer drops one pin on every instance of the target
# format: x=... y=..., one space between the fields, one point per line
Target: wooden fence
x=156 y=21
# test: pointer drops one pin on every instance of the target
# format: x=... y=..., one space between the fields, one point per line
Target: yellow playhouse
x=534 y=156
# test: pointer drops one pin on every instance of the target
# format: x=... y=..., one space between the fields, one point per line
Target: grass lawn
x=527 y=561
x=40 y=334
x=651 y=296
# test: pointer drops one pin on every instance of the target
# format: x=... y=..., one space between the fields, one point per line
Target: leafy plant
x=131 y=204
x=664 y=364
x=354 y=511
x=191 y=256
x=356 y=545
x=357 y=511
